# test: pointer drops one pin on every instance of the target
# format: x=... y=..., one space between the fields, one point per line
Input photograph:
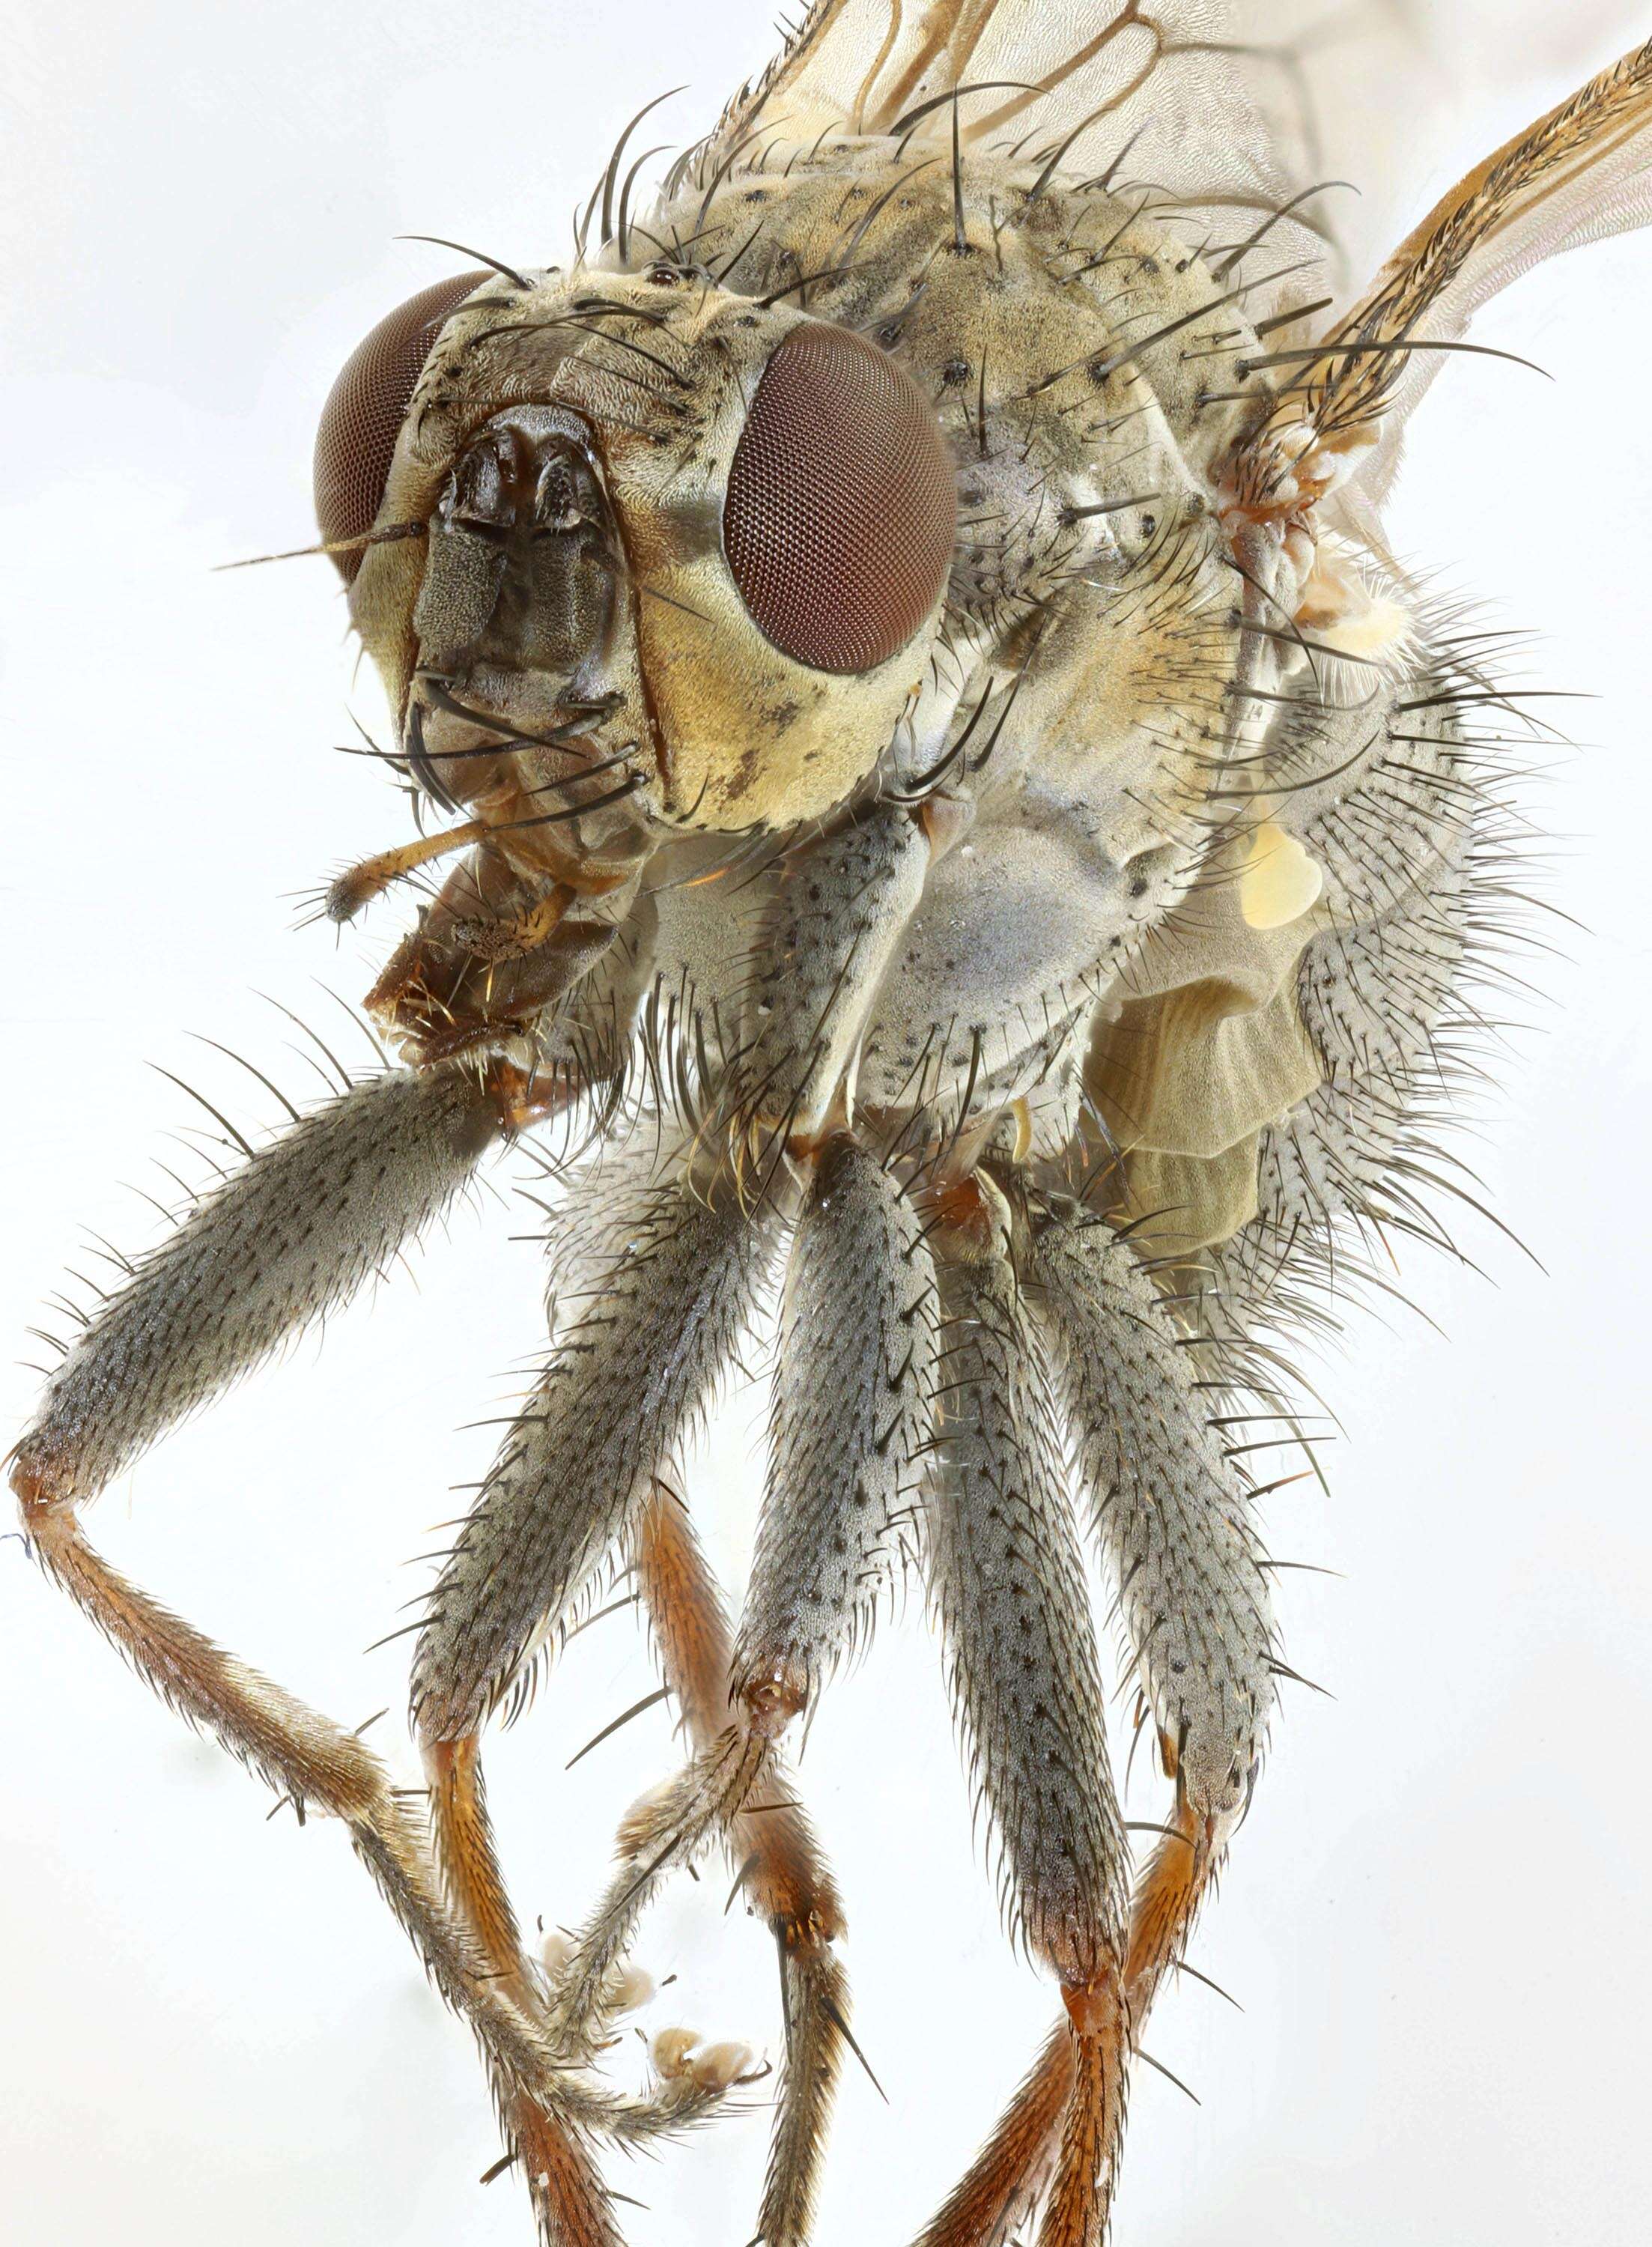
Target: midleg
x=1402 y=851
x=842 y=904
x=852 y=1413
x=1409 y=851
x=851 y=1410
x=1171 y=1514
x=784 y=1875
x=1008 y=1586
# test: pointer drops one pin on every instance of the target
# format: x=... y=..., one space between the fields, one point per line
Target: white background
x=211 y=2029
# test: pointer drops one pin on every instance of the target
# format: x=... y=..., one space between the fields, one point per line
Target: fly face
x=521 y=560
x=638 y=559
x=732 y=524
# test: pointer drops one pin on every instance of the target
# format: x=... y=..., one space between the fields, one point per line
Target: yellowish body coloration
x=954 y=805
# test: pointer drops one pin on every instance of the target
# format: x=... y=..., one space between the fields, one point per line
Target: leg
x=1412 y=855
x=784 y=1875
x=305 y=1758
x=1170 y=1513
x=1176 y=1530
x=655 y=1320
x=549 y=2140
x=851 y=1411
x=659 y=1286
x=287 y=1238
x=570 y=2205
x=839 y=912
x=1008 y=1586
x=1009 y=2176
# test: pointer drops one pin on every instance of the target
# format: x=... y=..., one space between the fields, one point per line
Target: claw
x=626 y=1990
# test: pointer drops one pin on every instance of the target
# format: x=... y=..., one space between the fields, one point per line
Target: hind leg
x=1174 y=1523
x=1170 y=1513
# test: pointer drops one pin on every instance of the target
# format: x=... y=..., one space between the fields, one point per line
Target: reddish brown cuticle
x=841 y=510
x=365 y=410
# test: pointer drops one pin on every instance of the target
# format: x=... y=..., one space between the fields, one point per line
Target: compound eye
x=841 y=510
x=363 y=412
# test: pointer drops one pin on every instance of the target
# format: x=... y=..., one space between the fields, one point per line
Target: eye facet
x=364 y=408
x=841 y=510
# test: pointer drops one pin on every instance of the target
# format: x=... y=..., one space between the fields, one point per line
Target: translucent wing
x=1230 y=112
x=1221 y=106
x=1582 y=171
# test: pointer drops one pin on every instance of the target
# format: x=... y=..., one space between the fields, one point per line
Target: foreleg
x=843 y=901
x=283 y=1240
x=653 y=1327
x=570 y=2204
x=659 y=1285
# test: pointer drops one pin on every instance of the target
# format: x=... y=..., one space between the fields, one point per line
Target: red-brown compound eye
x=841 y=511
x=364 y=408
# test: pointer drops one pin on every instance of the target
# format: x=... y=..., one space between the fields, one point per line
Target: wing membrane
x=1237 y=114
x=1580 y=173
x=1220 y=104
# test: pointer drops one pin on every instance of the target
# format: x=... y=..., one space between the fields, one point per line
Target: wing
x=1247 y=114
x=1580 y=173
x=1228 y=110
